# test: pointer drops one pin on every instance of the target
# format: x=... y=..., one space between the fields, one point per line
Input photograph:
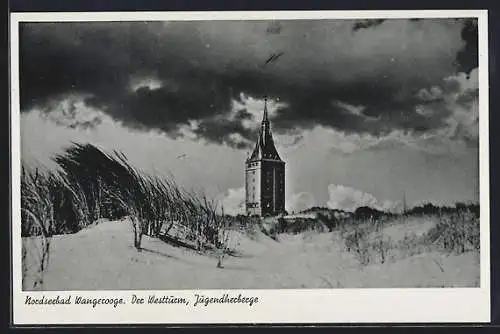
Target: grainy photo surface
x=249 y=154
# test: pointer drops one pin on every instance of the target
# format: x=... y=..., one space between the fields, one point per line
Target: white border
x=275 y=306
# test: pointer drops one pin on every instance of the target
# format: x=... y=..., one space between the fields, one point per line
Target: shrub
x=331 y=222
x=411 y=245
x=278 y=226
x=381 y=246
x=356 y=240
x=456 y=233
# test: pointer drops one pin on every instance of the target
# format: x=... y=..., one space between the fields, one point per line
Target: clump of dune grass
x=36 y=220
x=114 y=188
x=46 y=206
x=356 y=241
x=91 y=184
x=454 y=231
x=92 y=173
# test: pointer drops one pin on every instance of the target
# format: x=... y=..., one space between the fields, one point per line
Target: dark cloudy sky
x=364 y=111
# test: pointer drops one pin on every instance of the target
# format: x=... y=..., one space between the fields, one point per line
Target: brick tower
x=265 y=175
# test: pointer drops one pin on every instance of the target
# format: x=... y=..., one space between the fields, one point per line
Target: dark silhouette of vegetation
x=366 y=212
x=431 y=209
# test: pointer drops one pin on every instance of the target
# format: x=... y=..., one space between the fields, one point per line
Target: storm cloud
x=352 y=76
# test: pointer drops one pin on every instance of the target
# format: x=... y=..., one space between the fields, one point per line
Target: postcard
x=250 y=167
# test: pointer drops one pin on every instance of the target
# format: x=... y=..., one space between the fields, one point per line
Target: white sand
x=102 y=257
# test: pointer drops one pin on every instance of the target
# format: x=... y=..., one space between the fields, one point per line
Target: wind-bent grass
x=92 y=185
x=38 y=205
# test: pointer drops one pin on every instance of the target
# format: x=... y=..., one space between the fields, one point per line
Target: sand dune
x=102 y=257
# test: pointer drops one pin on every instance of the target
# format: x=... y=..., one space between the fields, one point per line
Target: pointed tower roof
x=264 y=148
x=265 y=118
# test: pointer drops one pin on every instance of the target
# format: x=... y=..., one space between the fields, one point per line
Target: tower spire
x=265 y=131
x=265 y=118
x=264 y=148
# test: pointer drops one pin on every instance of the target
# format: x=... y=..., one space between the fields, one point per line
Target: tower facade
x=265 y=175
